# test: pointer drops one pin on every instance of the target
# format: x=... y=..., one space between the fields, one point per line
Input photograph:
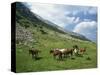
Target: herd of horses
x=60 y=53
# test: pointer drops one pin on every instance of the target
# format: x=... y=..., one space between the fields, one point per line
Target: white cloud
x=87 y=20
x=87 y=28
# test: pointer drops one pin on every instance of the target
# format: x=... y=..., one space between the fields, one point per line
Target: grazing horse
x=82 y=50
x=34 y=53
x=56 y=53
x=61 y=52
x=70 y=51
x=66 y=52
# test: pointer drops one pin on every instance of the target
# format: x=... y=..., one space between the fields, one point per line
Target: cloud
x=87 y=28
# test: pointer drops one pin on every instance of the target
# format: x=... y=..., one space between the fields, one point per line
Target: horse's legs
x=32 y=56
x=54 y=56
x=60 y=56
x=71 y=54
x=65 y=55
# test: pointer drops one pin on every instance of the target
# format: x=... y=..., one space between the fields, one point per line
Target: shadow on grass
x=73 y=58
x=79 y=55
x=88 y=58
x=37 y=58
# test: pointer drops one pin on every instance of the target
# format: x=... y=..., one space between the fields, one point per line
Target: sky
x=79 y=19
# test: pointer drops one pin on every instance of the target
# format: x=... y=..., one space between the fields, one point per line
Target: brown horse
x=34 y=53
x=56 y=53
x=69 y=51
x=62 y=52
x=82 y=50
x=66 y=52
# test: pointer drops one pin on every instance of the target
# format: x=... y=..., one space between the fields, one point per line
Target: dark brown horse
x=34 y=53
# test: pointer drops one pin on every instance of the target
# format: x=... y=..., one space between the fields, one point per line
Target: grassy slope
x=24 y=62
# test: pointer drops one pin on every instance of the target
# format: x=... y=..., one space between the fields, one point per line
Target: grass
x=25 y=63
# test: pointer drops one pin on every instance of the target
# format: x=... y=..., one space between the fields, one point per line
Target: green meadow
x=25 y=63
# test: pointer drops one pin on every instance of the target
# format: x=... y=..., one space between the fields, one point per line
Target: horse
x=34 y=53
x=75 y=50
x=66 y=52
x=61 y=52
x=75 y=47
x=70 y=51
x=56 y=53
x=82 y=50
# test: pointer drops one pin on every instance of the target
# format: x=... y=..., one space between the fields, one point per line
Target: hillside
x=31 y=31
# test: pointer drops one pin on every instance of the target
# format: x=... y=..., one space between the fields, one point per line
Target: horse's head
x=75 y=47
x=51 y=51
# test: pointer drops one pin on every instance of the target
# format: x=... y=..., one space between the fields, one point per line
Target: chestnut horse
x=82 y=50
x=56 y=53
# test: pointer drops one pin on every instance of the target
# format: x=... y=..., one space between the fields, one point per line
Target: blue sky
x=79 y=19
